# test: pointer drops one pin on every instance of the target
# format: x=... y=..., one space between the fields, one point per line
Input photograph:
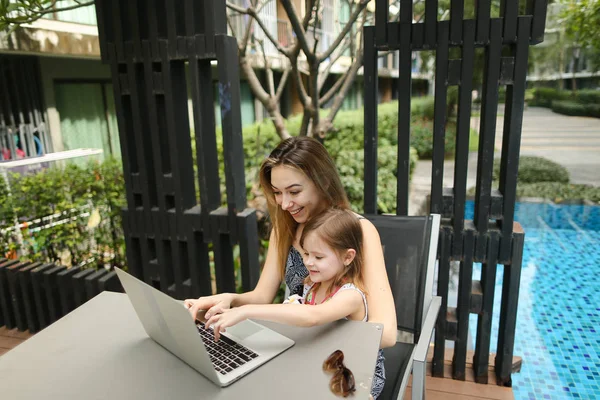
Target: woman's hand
x=220 y=322
x=212 y=304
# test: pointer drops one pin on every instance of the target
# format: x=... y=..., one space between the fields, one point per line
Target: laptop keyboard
x=226 y=355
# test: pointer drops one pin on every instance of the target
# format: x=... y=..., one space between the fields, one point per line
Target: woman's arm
x=264 y=292
x=344 y=303
x=269 y=281
x=379 y=293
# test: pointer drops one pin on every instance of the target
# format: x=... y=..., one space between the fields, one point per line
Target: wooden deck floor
x=437 y=388
x=11 y=338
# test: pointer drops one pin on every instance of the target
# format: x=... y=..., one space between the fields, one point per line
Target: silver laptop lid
x=168 y=323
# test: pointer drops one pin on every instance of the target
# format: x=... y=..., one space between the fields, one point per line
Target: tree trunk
x=277 y=119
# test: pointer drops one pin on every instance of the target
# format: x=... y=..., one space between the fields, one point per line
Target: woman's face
x=295 y=193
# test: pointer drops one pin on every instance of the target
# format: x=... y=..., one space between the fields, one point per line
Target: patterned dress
x=295 y=273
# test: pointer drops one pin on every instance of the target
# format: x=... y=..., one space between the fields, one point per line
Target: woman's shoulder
x=369 y=230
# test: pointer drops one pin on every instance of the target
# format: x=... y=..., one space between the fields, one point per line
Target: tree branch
x=32 y=15
x=253 y=81
x=268 y=70
x=341 y=95
x=305 y=122
x=297 y=27
x=314 y=95
x=361 y=6
x=325 y=73
x=307 y=12
x=282 y=82
x=333 y=90
x=299 y=84
x=253 y=13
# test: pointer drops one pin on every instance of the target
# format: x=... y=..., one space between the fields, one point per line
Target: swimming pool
x=558 y=320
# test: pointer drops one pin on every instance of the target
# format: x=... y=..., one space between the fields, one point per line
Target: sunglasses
x=342 y=382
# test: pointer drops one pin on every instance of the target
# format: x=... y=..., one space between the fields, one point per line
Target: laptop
x=240 y=350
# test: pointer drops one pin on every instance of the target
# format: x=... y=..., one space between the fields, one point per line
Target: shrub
x=351 y=166
x=422 y=139
x=569 y=108
x=422 y=107
x=543 y=97
x=559 y=192
x=588 y=96
x=55 y=207
x=536 y=169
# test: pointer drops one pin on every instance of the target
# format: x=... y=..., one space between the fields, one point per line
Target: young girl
x=332 y=243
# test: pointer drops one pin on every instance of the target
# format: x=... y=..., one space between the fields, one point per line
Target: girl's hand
x=229 y=317
x=213 y=304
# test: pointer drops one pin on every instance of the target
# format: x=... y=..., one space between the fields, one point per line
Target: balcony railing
x=81 y=15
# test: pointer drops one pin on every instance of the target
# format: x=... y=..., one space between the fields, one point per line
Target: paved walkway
x=573 y=142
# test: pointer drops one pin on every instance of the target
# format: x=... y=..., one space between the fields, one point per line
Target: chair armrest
x=430 y=320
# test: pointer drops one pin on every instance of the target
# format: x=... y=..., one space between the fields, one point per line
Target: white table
x=101 y=351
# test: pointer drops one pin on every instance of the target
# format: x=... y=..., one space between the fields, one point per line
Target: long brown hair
x=310 y=157
x=340 y=230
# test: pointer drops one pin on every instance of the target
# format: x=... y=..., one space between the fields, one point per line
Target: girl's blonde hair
x=340 y=230
x=308 y=156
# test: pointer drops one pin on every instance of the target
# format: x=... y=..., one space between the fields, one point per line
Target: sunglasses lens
x=349 y=379
x=342 y=383
x=334 y=361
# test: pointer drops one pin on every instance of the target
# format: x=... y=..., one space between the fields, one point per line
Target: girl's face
x=295 y=193
x=323 y=262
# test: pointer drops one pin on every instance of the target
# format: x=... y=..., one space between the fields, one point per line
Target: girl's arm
x=344 y=303
x=379 y=293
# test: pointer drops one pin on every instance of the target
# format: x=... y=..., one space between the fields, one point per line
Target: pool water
x=558 y=320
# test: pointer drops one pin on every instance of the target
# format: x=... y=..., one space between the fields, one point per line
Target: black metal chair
x=410 y=251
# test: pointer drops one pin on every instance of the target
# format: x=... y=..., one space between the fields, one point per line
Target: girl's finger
x=194 y=310
x=217 y=331
x=214 y=310
x=212 y=321
x=188 y=303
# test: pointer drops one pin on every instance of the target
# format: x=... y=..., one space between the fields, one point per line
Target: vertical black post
x=439 y=117
x=487 y=132
x=511 y=140
x=463 y=306
x=404 y=94
x=461 y=158
x=508 y=309
x=484 y=320
x=370 y=110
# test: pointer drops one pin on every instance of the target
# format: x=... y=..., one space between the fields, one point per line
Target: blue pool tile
x=558 y=308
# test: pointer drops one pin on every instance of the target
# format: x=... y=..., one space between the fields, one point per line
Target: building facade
x=56 y=95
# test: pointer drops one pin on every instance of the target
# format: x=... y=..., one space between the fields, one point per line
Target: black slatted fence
x=492 y=237
x=34 y=295
x=174 y=223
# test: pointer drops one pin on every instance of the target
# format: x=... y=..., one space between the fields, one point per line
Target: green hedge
x=536 y=169
x=588 y=96
x=584 y=103
x=576 y=109
x=96 y=188
x=559 y=192
x=543 y=97
x=345 y=145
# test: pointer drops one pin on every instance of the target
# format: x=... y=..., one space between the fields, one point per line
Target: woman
x=300 y=180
